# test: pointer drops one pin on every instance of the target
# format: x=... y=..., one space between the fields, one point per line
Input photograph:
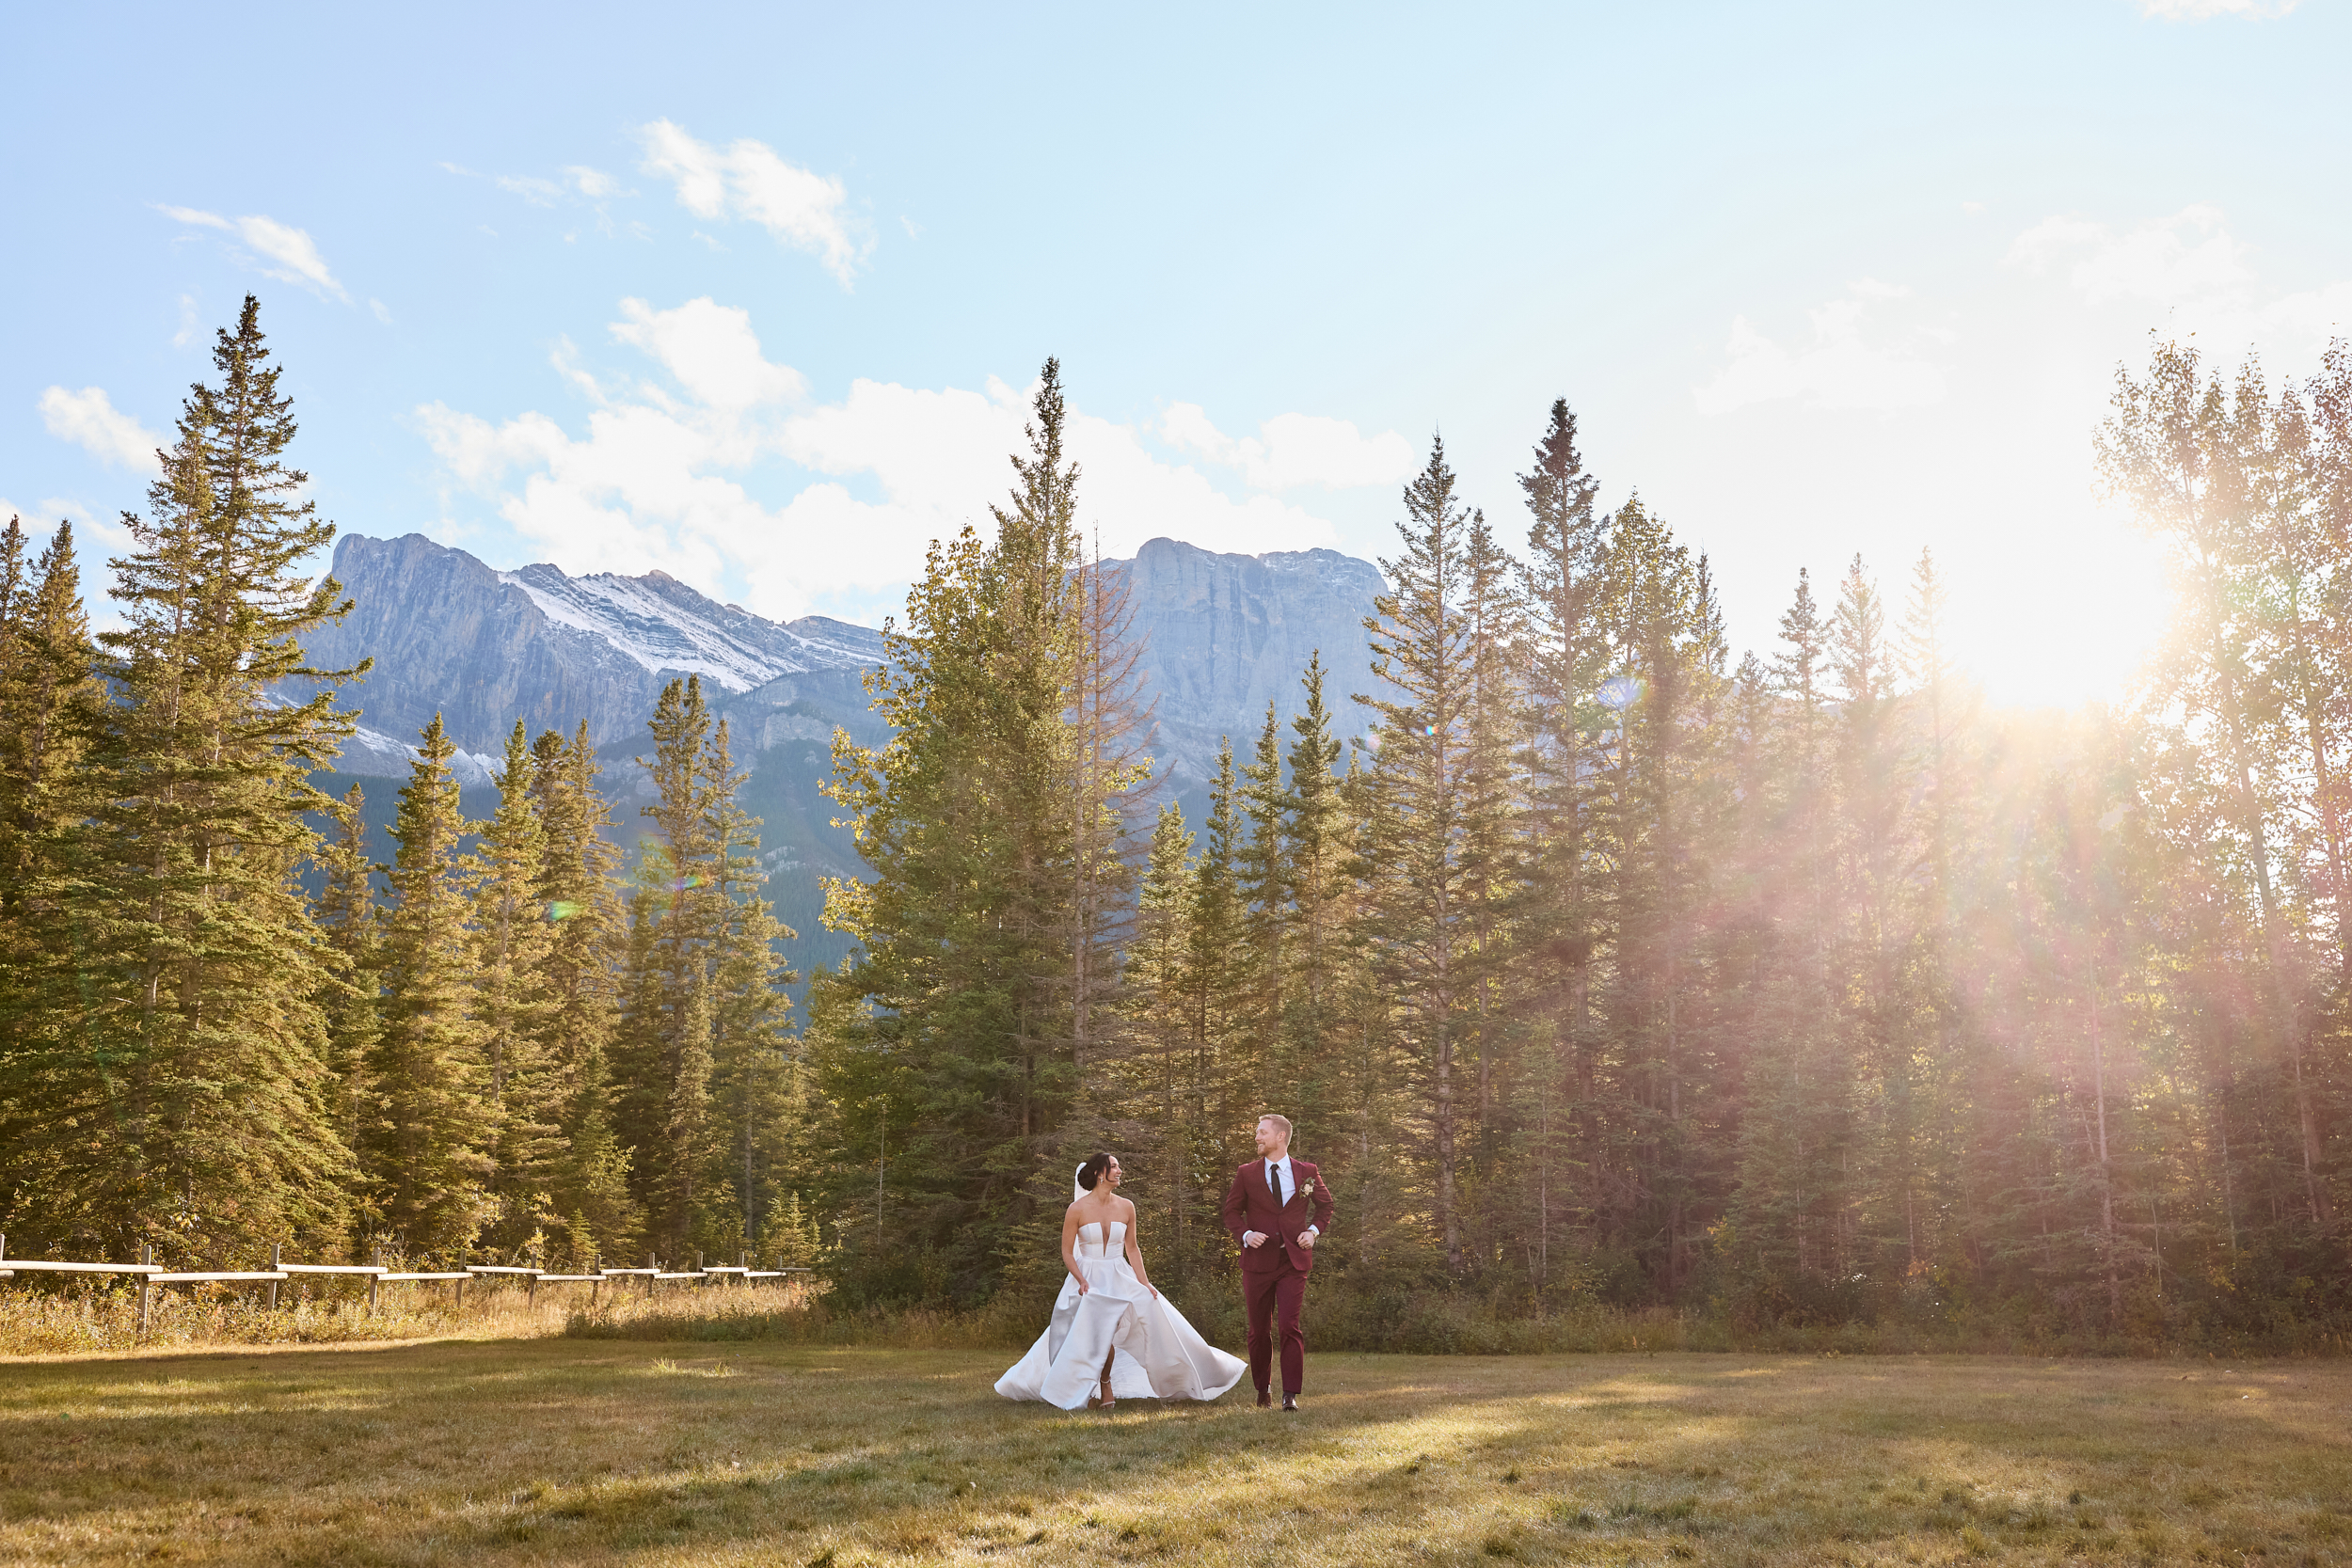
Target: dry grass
x=103 y=1317
x=585 y=1451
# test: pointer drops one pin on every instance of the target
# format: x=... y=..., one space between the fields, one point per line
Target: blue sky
x=753 y=294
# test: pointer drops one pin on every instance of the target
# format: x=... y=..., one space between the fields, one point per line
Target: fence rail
x=150 y=1274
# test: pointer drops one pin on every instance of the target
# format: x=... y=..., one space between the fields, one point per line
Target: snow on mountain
x=378 y=755
x=666 y=626
x=1223 y=635
x=481 y=648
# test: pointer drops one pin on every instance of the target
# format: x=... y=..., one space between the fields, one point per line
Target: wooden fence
x=149 y=1275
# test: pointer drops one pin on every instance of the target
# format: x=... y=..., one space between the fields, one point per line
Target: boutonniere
x=1307 y=1188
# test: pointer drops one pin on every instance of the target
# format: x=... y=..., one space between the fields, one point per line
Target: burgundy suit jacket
x=1249 y=1207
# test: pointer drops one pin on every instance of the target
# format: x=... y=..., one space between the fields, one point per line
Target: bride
x=1112 y=1332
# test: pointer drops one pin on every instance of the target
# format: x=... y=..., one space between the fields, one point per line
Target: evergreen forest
x=1618 y=969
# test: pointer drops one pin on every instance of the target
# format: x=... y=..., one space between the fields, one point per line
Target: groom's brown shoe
x=1289 y=1401
x=1265 y=1400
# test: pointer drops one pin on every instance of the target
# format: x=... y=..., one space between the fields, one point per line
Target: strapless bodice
x=1092 y=1242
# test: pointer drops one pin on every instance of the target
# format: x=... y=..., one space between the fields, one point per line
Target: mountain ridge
x=1222 y=634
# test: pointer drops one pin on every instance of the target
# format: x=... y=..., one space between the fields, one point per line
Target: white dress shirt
x=1285 y=1186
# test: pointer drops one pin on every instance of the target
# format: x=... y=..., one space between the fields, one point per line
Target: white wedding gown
x=1155 y=1354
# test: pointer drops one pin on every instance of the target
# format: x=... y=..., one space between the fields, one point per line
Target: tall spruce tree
x=1422 y=905
x=756 y=1095
x=429 y=1171
x=522 y=1086
x=178 y=1093
x=955 y=1036
x=579 y=973
x=348 y=914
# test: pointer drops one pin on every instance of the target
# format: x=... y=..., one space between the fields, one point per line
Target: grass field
x=567 y=1450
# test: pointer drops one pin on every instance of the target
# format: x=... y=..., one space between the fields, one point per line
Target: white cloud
x=2188 y=255
x=532 y=189
x=849 y=493
x=1851 y=363
x=2197 y=11
x=383 y=311
x=1291 y=450
x=90 y=420
x=593 y=183
x=2190 y=265
x=287 y=253
x=579 y=181
x=748 y=179
x=94 y=539
x=711 y=349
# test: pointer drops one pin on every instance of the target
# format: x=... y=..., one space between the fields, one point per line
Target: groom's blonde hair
x=1279 y=1120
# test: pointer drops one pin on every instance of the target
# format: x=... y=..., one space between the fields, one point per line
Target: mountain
x=1223 y=635
x=482 y=647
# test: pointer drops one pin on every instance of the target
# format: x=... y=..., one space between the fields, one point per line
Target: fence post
x=376 y=1259
x=650 y=1265
x=274 y=1247
x=459 y=1288
x=147 y=1255
x=531 y=1293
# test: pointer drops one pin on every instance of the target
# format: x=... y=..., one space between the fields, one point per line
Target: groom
x=1267 y=1210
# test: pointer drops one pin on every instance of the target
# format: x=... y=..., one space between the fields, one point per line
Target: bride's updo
x=1091 y=1172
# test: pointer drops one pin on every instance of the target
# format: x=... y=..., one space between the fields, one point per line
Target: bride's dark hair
x=1091 y=1172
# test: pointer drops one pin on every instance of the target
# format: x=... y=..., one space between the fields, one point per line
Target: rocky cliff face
x=1223 y=635
x=483 y=648
x=1226 y=633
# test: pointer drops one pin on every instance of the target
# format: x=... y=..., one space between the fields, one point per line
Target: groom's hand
x=1307 y=1239
x=1252 y=1238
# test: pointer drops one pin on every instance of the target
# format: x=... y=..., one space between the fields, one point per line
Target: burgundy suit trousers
x=1274 y=1297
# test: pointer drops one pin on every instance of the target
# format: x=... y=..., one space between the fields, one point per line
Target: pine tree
x=756 y=1091
x=428 y=1172
x=665 y=1060
x=1315 y=850
x=1109 y=777
x=967 y=963
x=1492 y=821
x=1262 y=882
x=348 y=917
x=1228 y=1094
x=2177 y=451
x=580 y=978
x=523 y=1090
x=1794 y=1207
x=46 y=695
x=180 y=1098
x=1421 y=905
x=1564 y=590
x=1161 y=1075
x=45 y=686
